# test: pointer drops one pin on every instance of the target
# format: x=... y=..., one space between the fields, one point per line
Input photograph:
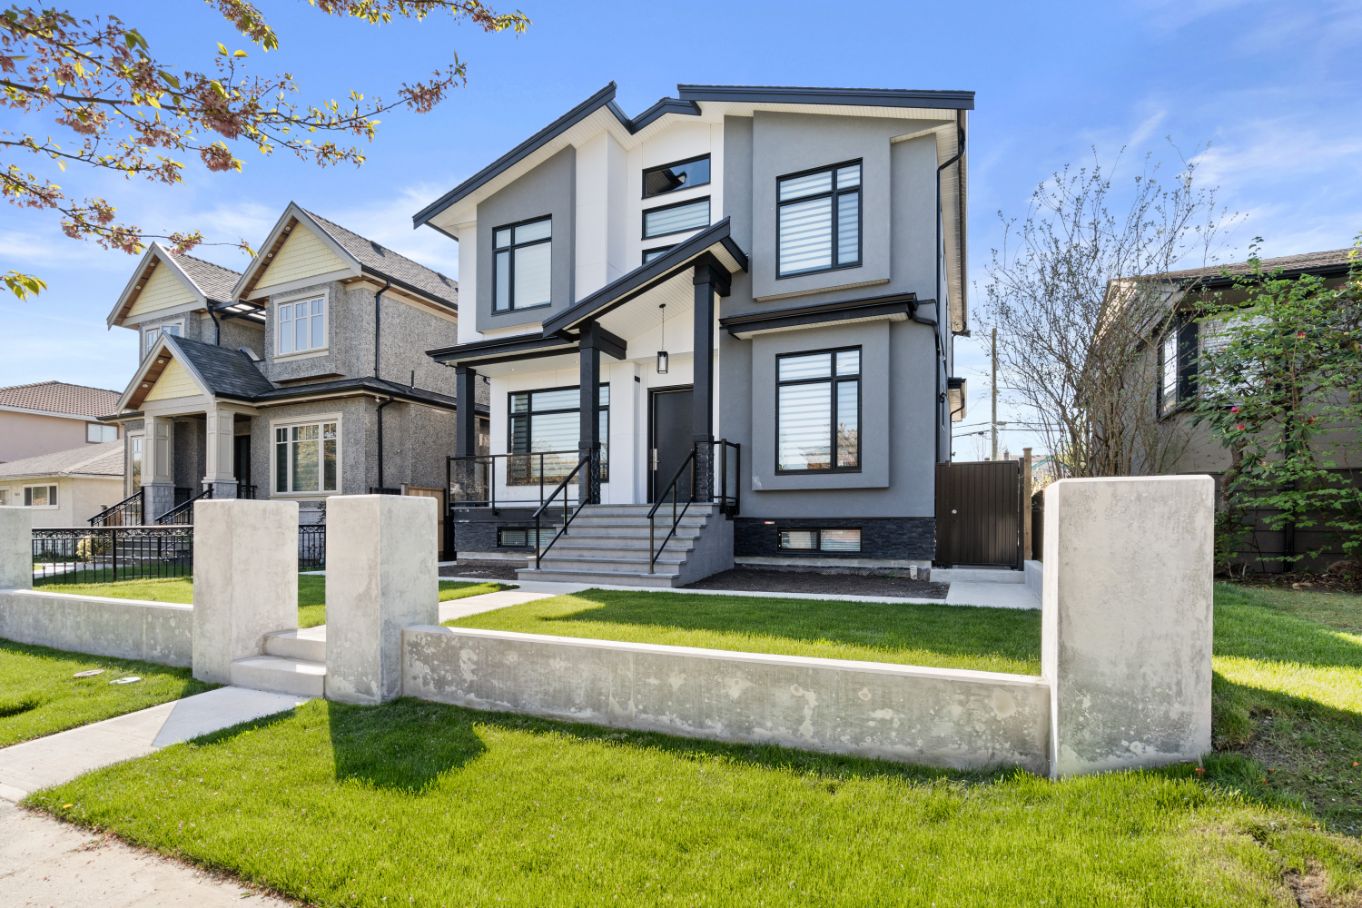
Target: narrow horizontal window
x=650 y=254
x=823 y=539
x=515 y=537
x=818 y=220
x=675 y=218
x=672 y=177
x=522 y=265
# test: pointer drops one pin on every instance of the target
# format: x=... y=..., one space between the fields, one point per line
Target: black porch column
x=589 y=389
x=464 y=476
x=710 y=280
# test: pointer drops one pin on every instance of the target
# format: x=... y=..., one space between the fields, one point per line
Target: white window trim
x=99 y=425
x=158 y=328
x=40 y=507
x=299 y=297
x=340 y=455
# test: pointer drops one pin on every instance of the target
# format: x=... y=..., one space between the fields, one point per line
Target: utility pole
x=993 y=380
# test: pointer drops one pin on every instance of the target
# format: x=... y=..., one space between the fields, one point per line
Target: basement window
x=515 y=537
x=821 y=539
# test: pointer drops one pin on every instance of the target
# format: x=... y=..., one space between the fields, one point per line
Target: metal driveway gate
x=979 y=513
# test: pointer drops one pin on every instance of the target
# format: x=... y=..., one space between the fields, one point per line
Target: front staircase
x=294 y=662
x=607 y=544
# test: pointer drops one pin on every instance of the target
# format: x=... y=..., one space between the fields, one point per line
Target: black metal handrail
x=654 y=550
x=183 y=513
x=728 y=501
x=117 y=514
x=484 y=487
x=588 y=460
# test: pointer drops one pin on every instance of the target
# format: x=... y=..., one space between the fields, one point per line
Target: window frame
x=152 y=333
x=709 y=217
x=298 y=299
x=319 y=422
x=643 y=188
x=656 y=252
x=1187 y=346
x=52 y=500
x=833 y=195
x=101 y=426
x=832 y=379
x=510 y=292
x=530 y=413
x=817 y=548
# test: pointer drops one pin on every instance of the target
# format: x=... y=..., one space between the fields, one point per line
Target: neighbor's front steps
x=294 y=662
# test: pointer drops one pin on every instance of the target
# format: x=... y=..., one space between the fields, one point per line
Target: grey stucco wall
x=237 y=333
x=345 y=345
x=416 y=441
x=549 y=189
x=357 y=473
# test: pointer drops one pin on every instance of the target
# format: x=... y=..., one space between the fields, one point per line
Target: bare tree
x=1075 y=329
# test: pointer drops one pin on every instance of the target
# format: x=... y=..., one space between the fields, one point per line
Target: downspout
x=217 y=326
x=379 y=414
x=939 y=253
x=378 y=345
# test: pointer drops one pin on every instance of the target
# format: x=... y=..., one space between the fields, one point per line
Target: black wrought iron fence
x=107 y=554
x=312 y=547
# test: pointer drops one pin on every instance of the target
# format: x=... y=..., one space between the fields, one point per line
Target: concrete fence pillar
x=381 y=575
x=16 y=549
x=245 y=580
x=1126 y=621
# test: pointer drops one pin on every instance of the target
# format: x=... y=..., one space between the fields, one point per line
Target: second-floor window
x=300 y=326
x=40 y=496
x=667 y=219
x=676 y=176
x=818 y=220
x=149 y=335
x=1177 y=367
x=522 y=259
x=96 y=433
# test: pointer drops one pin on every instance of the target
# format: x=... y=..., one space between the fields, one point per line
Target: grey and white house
x=740 y=304
x=301 y=378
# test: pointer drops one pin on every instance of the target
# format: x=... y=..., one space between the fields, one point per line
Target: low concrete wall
x=938 y=717
x=1034 y=572
x=125 y=628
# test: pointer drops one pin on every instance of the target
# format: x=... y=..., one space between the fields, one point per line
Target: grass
x=1004 y=640
x=39 y=695
x=311 y=592
x=448 y=806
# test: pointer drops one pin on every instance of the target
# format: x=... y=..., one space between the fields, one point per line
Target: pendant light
x=662 y=357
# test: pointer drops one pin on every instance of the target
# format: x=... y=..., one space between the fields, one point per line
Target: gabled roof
x=211 y=284
x=59 y=398
x=219 y=371
x=1332 y=261
x=363 y=255
x=88 y=460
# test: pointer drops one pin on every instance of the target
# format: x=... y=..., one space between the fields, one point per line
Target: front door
x=241 y=466
x=670 y=437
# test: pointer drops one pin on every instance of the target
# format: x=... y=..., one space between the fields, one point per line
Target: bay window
x=307 y=457
x=818 y=411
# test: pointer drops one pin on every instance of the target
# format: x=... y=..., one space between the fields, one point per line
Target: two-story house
x=300 y=378
x=742 y=300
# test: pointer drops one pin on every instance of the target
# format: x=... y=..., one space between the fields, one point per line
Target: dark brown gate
x=979 y=513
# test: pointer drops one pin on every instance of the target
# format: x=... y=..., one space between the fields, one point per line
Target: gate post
x=16 y=549
x=1126 y=621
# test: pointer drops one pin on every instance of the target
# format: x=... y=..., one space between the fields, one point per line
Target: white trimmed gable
x=304 y=254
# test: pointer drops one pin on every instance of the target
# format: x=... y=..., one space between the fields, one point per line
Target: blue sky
x=1265 y=94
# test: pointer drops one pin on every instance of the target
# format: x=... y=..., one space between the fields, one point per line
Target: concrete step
x=299 y=643
x=663 y=579
x=626 y=531
x=632 y=544
x=609 y=561
x=639 y=510
x=664 y=521
x=300 y=677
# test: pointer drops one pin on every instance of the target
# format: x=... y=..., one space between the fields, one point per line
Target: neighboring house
x=64 y=488
x=301 y=378
x=766 y=282
x=51 y=416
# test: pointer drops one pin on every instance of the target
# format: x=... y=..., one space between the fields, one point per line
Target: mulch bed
x=823 y=581
x=484 y=570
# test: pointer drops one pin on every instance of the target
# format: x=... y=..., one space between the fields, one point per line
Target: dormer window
x=522 y=258
x=149 y=335
x=300 y=326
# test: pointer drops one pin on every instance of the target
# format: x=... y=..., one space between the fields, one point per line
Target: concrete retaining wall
x=124 y=628
x=938 y=717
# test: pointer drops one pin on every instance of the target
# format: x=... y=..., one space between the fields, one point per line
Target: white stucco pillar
x=16 y=549
x=245 y=580
x=381 y=576
x=219 y=451
x=1126 y=621
x=158 y=478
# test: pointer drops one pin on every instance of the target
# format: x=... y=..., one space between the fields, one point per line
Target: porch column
x=590 y=411
x=710 y=279
x=219 y=452
x=158 y=481
x=464 y=475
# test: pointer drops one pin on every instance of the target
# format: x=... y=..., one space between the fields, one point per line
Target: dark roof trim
x=647 y=276
x=872 y=97
x=579 y=113
x=661 y=109
x=955 y=382
x=359 y=385
x=502 y=349
x=897 y=304
x=1225 y=280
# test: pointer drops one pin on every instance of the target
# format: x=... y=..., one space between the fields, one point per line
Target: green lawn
x=40 y=696
x=1003 y=640
x=346 y=805
x=311 y=592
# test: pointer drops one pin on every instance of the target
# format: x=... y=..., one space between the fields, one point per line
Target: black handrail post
x=541 y=479
x=113 y=546
x=492 y=484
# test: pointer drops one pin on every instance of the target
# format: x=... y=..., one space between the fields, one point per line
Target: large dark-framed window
x=1177 y=368
x=818 y=220
x=677 y=175
x=675 y=218
x=522 y=265
x=818 y=411
x=548 y=420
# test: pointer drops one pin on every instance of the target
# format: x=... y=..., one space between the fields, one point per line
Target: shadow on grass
x=403 y=746
x=948 y=630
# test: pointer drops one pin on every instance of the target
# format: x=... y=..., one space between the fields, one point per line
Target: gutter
x=378 y=345
x=939 y=253
x=379 y=413
x=937 y=368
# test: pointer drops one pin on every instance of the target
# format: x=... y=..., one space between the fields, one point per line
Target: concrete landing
x=59 y=758
x=474 y=605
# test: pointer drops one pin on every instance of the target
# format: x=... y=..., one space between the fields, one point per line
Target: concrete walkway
x=59 y=758
x=474 y=605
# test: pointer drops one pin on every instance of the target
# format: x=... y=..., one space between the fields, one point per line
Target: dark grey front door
x=670 y=438
x=242 y=463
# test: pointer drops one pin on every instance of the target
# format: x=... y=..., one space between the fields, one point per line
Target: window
x=650 y=254
x=549 y=421
x=306 y=457
x=134 y=463
x=300 y=326
x=149 y=335
x=522 y=255
x=1177 y=367
x=97 y=433
x=675 y=218
x=40 y=496
x=685 y=174
x=516 y=537
x=837 y=541
x=818 y=411
x=818 y=220
x=4 y=497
